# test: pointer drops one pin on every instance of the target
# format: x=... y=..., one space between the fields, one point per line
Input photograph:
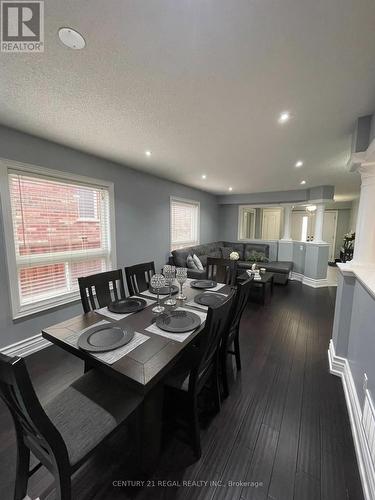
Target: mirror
x=264 y=223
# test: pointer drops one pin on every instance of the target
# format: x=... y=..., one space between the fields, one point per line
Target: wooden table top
x=145 y=365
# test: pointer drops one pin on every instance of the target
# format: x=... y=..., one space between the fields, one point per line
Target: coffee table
x=265 y=284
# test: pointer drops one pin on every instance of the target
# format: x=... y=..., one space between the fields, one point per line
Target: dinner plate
x=203 y=284
x=178 y=321
x=104 y=338
x=210 y=299
x=164 y=290
x=130 y=305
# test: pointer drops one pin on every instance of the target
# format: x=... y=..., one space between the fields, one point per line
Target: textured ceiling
x=200 y=83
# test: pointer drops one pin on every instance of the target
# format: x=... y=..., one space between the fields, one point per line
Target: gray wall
x=353 y=330
x=295 y=196
x=361 y=347
x=228 y=225
x=142 y=218
x=343 y=227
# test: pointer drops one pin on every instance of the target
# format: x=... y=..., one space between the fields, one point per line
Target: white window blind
x=61 y=231
x=184 y=223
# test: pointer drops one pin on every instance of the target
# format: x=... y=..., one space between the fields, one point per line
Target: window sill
x=32 y=309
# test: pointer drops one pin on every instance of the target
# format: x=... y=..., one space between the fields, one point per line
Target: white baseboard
x=339 y=366
x=25 y=347
x=305 y=280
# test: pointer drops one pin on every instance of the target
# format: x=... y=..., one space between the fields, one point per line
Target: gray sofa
x=220 y=249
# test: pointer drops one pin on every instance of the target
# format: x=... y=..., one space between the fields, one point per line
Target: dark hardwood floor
x=282 y=434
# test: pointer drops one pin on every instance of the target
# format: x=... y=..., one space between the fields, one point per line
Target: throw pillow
x=198 y=263
x=226 y=251
x=190 y=262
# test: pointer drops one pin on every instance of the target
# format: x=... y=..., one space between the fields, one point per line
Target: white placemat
x=105 y=312
x=150 y=294
x=217 y=287
x=179 y=337
x=192 y=302
x=109 y=357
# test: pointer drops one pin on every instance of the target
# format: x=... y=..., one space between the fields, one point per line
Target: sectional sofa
x=221 y=249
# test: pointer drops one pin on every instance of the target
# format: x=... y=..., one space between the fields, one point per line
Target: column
x=287 y=223
x=319 y=220
x=364 y=247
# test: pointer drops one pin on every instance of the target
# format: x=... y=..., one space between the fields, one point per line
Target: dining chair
x=221 y=270
x=231 y=335
x=99 y=290
x=66 y=431
x=199 y=367
x=138 y=277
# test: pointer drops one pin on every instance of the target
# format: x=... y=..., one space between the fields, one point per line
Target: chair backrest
x=32 y=425
x=217 y=322
x=222 y=270
x=239 y=304
x=99 y=290
x=138 y=277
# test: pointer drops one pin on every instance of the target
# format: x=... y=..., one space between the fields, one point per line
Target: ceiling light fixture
x=284 y=117
x=230 y=188
x=148 y=153
x=311 y=208
x=204 y=176
x=303 y=182
x=71 y=38
x=299 y=163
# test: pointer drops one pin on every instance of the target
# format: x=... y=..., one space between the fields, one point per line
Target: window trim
x=191 y=202
x=6 y=167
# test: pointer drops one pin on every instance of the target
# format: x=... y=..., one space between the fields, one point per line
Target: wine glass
x=169 y=273
x=181 y=277
x=157 y=282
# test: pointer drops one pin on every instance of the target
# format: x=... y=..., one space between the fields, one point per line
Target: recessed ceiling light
x=204 y=176
x=71 y=38
x=284 y=117
x=303 y=182
x=148 y=153
x=299 y=163
x=230 y=188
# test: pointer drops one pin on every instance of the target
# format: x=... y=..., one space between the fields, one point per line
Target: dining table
x=144 y=368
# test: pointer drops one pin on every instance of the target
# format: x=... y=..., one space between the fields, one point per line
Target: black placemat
x=164 y=290
x=129 y=305
x=203 y=284
x=211 y=299
x=104 y=338
x=178 y=321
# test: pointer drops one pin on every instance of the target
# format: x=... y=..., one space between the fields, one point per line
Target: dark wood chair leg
x=87 y=366
x=236 y=343
x=216 y=386
x=63 y=484
x=195 y=429
x=22 y=469
x=224 y=373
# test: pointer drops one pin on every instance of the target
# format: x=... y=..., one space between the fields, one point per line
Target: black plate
x=164 y=290
x=178 y=321
x=211 y=299
x=203 y=284
x=129 y=305
x=104 y=338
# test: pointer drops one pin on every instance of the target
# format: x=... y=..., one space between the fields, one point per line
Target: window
x=59 y=229
x=184 y=223
x=87 y=204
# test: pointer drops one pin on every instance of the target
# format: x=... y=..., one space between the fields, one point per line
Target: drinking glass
x=181 y=277
x=157 y=282
x=170 y=273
